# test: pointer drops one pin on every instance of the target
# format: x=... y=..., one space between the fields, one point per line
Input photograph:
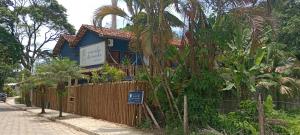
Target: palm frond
x=287 y=80
x=258 y=18
x=129 y=4
x=103 y=11
x=265 y=76
x=285 y=90
x=139 y=18
x=229 y=86
x=267 y=84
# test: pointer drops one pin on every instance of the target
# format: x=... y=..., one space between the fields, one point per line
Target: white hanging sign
x=92 y=55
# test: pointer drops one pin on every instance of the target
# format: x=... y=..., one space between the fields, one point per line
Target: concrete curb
x=17 y=107
x=56 y=120
x=69 y=125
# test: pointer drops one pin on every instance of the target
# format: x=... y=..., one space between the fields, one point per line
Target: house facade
x=92 y=47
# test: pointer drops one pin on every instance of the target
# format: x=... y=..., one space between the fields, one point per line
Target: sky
x=81 y=12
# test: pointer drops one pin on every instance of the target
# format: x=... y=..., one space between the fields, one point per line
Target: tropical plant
x=251 y=71
x=244 y=120
x=288 y=13
x=126 y=61
x=42 y=82
x=9 y=91
x=234 y=41
x=152 y=29
x=107 y=73
x=60 y=71
x=26 y=85
x=144 y=15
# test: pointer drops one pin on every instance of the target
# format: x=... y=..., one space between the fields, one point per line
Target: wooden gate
x=71 y=106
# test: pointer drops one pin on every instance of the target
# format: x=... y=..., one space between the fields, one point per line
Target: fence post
x=69 y=82
x=140 y=114
x=76 y=82
x=185 y=116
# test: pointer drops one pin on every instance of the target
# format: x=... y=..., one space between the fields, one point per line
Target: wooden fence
x=106 y=101
x=50 y=98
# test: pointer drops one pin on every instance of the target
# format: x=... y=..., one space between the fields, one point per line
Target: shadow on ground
x=6 y=109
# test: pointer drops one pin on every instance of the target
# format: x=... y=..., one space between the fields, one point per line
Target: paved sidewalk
x=14 y=121
x=82 y=123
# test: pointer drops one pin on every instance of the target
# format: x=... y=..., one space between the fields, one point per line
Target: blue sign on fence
x=135 y=97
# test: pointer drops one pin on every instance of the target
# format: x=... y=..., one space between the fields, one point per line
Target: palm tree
x=114 y=3
x=61 y=71
x=144 y=15
x=278 y=78
x=152 y=29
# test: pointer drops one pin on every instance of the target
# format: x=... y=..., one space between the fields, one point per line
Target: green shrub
x=126 y=61
x=19 y=100
x=145 y=124
x=107 y=74
x=95 y=78
x=245 y=121
x=9 y=91
x=174 y=129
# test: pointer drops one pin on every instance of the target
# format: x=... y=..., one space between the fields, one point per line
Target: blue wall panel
x=68 y=52
x=91 y=38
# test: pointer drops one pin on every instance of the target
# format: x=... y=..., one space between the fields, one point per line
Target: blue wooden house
x=92 y=47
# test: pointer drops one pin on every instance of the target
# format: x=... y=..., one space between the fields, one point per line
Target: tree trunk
x=185 y=116
x=152 y=116
x=27 y=99
x=261 y=115
x=60 y=90
x=167 y=89
x=60 y=105
x=278 y=105
x=114 y=17
x=43 y=100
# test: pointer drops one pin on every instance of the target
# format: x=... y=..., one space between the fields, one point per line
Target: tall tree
x=34 y=23
x=288 y=13
x=10 y=54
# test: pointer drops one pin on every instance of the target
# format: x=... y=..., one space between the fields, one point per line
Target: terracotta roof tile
x=69 y=38
x=111 y=33
x=61 y=41
x=104 y=32
x=176 y=42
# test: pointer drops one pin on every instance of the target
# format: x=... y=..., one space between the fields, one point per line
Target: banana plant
x=246 y=72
